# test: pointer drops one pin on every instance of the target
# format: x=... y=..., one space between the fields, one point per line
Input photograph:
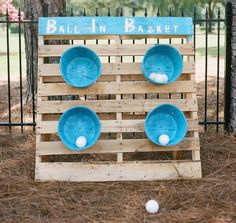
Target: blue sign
x=115 y=26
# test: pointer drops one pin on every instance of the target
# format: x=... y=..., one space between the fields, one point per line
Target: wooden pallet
x=121 y=98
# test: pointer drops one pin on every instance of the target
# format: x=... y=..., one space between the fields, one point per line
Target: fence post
x=45 y=9
x=230 y=71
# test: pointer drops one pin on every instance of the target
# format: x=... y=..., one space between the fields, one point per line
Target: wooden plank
x=111 y=50
x=195 y=155
x=112 y=106
x=109 y=78
x=136 y=87
x=131 y=171
x=39 y=116
x=110 y=69
x=110 y=126
x=116 y=146
x=111 y=37
x=118 y=59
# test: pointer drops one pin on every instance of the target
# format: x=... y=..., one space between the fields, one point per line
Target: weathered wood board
x=121 y=97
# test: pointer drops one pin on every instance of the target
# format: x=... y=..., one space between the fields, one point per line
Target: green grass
x=212 y=51
x=14 y=56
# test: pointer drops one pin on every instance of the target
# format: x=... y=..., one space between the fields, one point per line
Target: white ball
x=158 y=78
x=81 y=142
x=152 y=206
x=164 y=78
x=152 y=76
x=164 y=139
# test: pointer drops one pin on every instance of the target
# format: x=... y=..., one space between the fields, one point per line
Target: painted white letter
x=93 y=26
x=51 y=26
x=68 y=29
x=102 y=29
x=76 y=29
x=140 y=29
x=167 y=29
x=150 y=29
x=61 y=29
x=175 y=28
x=158 y=29
x=129 y=25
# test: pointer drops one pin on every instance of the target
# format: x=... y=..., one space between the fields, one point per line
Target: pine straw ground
x=211 y=199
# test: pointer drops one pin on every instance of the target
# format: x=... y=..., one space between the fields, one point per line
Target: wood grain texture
x=115 y=146
x=139 y=87
x=110 y=69
x=113 y=106
x=111 y=50
x=111 y=126
x=131 y=171
x=121 y=115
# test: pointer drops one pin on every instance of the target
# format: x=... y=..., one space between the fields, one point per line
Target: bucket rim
x=85 y=48
x=75 y=108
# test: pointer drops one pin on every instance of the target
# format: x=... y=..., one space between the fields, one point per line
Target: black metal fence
x=220 y=28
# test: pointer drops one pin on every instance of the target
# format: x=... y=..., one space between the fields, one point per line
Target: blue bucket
x=80 y=66
x=162 y=59
x=76 y=122
x=166 y=119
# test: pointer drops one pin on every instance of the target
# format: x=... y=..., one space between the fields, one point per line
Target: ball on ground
x=81 y=142
x=152 y=206
x=164 y=139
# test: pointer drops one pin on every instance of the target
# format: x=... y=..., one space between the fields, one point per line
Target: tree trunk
x=233 y=71
x=230 y=81
x=33 y=10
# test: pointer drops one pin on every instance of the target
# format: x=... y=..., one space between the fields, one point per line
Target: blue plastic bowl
x=80 y=66
x=79 y=121
x=166 y=119
x=165 y=59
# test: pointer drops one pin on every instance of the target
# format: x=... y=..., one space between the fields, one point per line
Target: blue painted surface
x=80 y=66
x=164 y=59
x=115 y=25
x=166 y=119
x=79 y=121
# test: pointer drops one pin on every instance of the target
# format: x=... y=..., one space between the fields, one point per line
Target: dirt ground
x=211 y=199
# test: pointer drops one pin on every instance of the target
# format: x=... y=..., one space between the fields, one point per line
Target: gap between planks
x=112 y=50
x=111 y=37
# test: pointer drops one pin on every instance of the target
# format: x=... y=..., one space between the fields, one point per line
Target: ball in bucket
x=162 y=64
x=166 y=125
x=80 y=66
x=79 y=128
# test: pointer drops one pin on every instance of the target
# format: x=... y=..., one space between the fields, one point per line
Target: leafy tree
x=103 y=5
x=211 y=6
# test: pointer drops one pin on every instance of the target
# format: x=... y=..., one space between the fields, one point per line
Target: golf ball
x=158 y=78
x=164 y=78
x=152 y=76
x=152 y=206
x=81 y=142
x=164 y=139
